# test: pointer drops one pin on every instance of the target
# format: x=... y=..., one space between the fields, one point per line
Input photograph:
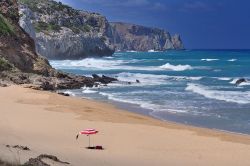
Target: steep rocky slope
x=139 y=38
x=16 y=47
x=20 y=64
x=61 y=32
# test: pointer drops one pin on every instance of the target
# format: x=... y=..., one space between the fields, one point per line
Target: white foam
x=168 y=66
x=208 y=60
x=145 y=79
x=232 y=60
x=87 y=63
x=153 y=51
x=234 y=81
x=244 y=84
x=111 y=64
x=223 y=78
x=142 y=103
x=151 y=79
x=194 y=78
x=131 y=51
x=88 y=91
x=228 y=96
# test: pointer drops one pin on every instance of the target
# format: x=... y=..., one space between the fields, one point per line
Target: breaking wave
x=152 y=79
x=232 y=60
x=208 y=60
x=228 y=96
x=168 y=66
x=111 y=64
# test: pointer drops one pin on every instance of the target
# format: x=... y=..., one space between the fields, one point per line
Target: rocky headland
x=61 y=32
x=139 y=38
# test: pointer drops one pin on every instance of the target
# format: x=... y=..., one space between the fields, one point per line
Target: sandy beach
x=47 y=123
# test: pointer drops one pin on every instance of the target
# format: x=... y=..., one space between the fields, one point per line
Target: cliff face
x=139 y=38
x=16 y=46
x=61 y=32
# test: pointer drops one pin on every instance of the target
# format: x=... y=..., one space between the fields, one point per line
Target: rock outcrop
x=139 y=38
x=61 y=32
x=39 y=161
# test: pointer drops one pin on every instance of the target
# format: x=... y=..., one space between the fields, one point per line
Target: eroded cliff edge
x=61 y=32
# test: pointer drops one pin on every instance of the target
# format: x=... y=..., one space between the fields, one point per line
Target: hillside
x=20 y=64
x=16 y=47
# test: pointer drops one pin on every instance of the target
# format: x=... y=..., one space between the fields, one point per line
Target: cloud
x=142 y=4
x=196 y=6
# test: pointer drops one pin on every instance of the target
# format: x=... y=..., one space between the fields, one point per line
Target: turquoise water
x=193 y=86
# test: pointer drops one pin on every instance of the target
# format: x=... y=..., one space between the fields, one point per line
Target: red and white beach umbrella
x=87 y=132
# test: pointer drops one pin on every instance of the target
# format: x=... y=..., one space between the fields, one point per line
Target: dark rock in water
x=95 y=76
x=104 y=79
x=137 y=81
x=63 y=94
x=39 y=160
x=110 y=79
x=241 y=80
x=19 y=147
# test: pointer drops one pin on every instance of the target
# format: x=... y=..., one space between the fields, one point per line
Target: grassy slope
x=5 y=26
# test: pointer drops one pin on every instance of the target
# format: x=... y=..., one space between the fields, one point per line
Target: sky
x=202 y=24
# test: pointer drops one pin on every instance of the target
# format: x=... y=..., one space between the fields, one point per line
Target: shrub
x=5 y=65
x=43 y=26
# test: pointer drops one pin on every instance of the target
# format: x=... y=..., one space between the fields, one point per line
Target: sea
x=194 y=87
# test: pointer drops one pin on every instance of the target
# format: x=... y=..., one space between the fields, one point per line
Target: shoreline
x=166 y=122
x=133 y=108
x=191 y=126
x=47 y=122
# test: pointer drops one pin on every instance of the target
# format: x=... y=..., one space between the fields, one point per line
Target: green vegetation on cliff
x=5 y=26
x=52 y=6
x=5 y=65
x=43 y=26
x=64 y=16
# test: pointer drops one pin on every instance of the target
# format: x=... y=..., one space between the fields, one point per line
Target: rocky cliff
x=61 y=32
x=16 y=47
x=139 y=38
x=20 y=64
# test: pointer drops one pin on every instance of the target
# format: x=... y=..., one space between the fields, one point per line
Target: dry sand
x=48 y=123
